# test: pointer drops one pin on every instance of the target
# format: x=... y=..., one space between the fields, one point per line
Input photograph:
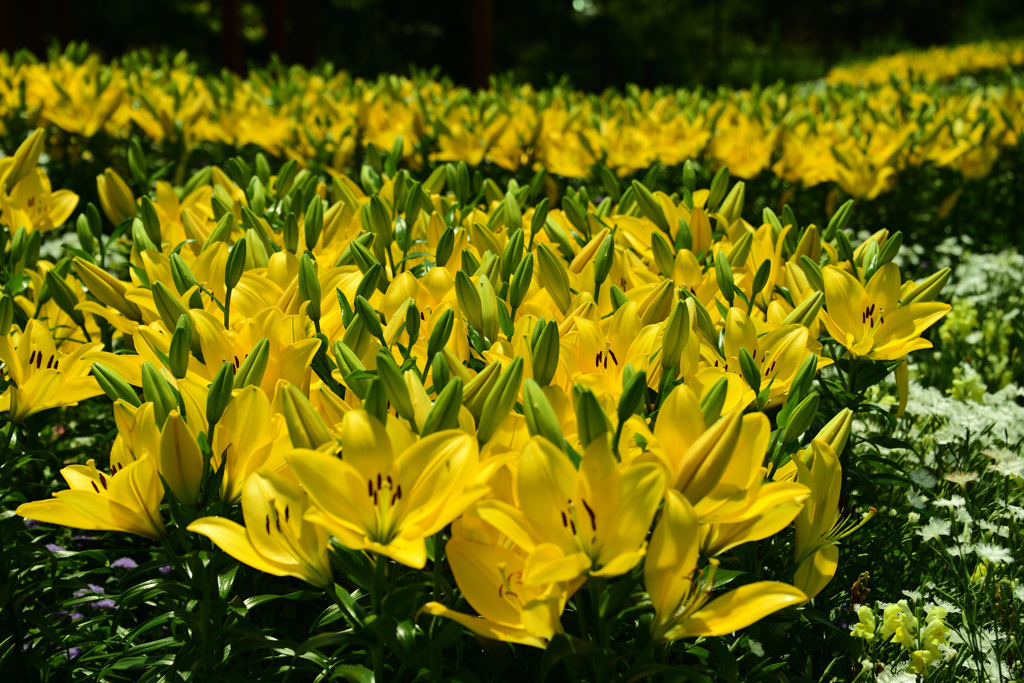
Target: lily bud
x=158 y=391
x=719 y=184
x=751 y=373
x=291 y=233
x=813 y=272
x=836 y=431
x=309 y=287
x=553 y=277
x=732 y=207
x=540 y=417
x=179 y=355
x=839 y=220
x=140 y=238
x=712 y=402
x=544 y=352
x=444 y=414
x=108 y=290
x=250 y=372
x=305 y=426
x=150 y=220
x=500 y=400
x=476 y=390
x=676 y=336
x=801 y=418
x=235 y=265
x=445 y=244
x=807 y=311
x=657 y=306
x=927 y=290
x=512 y=255
x=116 y=199
x=64 y=297
x=604 y=258
x=219 y=396
x=441 y=333
x=650 y=207
x=521 y=281
x=181 y=461
x=591 y=421
x=664 y=257
x=764 y=271
x=394 y=385
x=114 y=386
x=634 y=390
x=348 y=365
x=314 y=221
x=469 y=300
x=85 y=237
x=25 y=158
x=184 y=281
x=723 y=273
x=741 y=250
x=439 y=374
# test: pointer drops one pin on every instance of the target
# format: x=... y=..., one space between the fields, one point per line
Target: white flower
x=755 y=647
x=1018 y=592
x=916 y=499
x=951 y=502
x=993 y=553
x=923 y=478
x=964 y=517
x=913 y=595
x=1000 y=530
x=913 y=517
x=934 y=528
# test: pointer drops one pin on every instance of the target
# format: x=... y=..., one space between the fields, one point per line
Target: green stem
x=377 y=651
x=600 y=631
x=435 y=652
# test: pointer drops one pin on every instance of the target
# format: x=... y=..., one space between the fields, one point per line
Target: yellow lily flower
x=387 y=492
x=41 y=376
x=820 y=524
x=490 y=577
x=245 y=438
x=680 y=595
x=886 y=330
x=570 y=522
x=128 y=499
x=277 y=538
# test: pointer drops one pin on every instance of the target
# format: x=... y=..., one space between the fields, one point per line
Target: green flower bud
x=220 y=393
x=807 y=311
x=251 y=370
x=158 y=391
x=441 y=333
x=723 y=273
x=412 y=322
x=764 y=271
x=305 y=426
x=719 y=184
x=137 y=163
x=545 y=351
x=684 y=236
x=222 y=231
x=839 y=221
x=351 y=368
x=540 y=417
x=262 y=168
x=553 y=277
x=184 y=280
x=712 y=402
x=439 y=374
x=114 y=386
x=800 y=419
x=890 y=249
x=394 y=385
x=540 y=217
x=512 y=255
x=634 y=391
x=813 y=272
x=591 y=421
x=689 y=175
x=468 y=297
x=444 y=247
x=802 y=380
x=444 y=414
x=179 y=355
x=476 y=390
x=368 y=316
x=741 y=250
x=521 y=281
x=314 y=221
x=928 y=289
x=751 y=373
x=619 y=298
x=500 y=400
x=603 y=259
x=85 y=236
x=285 y=178
x=650 y=207
x=309 y=287
x=64 y=297
x=732 y=207
x=513 y=214
x=677 y=335
x=150 y=220
x=235 y=265
x=140 y=238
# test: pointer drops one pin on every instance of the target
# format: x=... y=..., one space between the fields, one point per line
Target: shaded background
x=594 y=43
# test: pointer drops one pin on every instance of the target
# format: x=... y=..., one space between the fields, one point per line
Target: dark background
x=594 y=43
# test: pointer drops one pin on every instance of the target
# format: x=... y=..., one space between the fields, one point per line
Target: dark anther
x=593 y=520
x=268 y=524
x=286 y=513
x=565 y=522
x=97 y=488
x=103 y=480
x=614 y=359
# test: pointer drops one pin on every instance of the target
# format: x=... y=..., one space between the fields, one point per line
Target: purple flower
x=166 y=569
x=105 y=603
x=54 y=548
x=124 y=563
x=33 y=523
x=73 y=652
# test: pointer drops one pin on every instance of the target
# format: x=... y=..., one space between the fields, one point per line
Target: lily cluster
x=620 y=390
x=858 y=132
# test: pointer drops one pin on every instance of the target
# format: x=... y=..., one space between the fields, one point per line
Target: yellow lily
x=680 y=594
x=387 y=492
x=820 y=524
x=490 y=577
x=244 y=439
x=570 y=522
x=128 y=499
x=886 y=330
x=277 y=538
x=41 y=376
